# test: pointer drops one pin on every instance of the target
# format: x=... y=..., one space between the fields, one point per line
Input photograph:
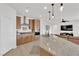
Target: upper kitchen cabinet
x=31 y=24
x=34 y=24
x=37 y=24
x=18 y=22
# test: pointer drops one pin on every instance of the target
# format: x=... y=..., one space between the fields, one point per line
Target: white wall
x=57 y=30
x=7 y=28
x=0 y=35
x=70 y=13
x=76 y=28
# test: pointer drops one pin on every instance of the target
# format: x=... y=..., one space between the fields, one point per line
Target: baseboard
x=4 y=52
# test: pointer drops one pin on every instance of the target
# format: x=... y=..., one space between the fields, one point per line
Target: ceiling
x=70 y=12
x=35 y=9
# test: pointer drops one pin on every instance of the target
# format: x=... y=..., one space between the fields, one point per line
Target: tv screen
x=67 y=27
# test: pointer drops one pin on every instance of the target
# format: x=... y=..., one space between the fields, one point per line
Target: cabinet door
x=18 y=22
x=19 y=40
x=37 y=24
x=31 y=24
x=34 y=24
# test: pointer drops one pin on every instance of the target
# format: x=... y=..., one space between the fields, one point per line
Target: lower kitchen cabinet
x=24 y=38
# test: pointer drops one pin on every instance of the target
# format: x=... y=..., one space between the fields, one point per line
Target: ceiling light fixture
x=27 y=10
x=40 y=15
x=49 y=15
x=53 y=16
x=52 y=11
x=45 y=7
x=61 y=7
x=49 y=49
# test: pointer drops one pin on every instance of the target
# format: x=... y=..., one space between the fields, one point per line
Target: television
x=66 y=27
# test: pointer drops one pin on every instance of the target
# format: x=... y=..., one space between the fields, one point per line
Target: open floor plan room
x=46 y=46
x=39 y=29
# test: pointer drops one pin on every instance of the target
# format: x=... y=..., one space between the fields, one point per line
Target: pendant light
x=61 y=7
x=49 y=15
x=52 y=10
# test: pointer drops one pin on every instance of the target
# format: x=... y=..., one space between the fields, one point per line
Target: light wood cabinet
x=18 y=22
x=37 y=24
x=31 y=24
x=34 y=24
x=24 y=38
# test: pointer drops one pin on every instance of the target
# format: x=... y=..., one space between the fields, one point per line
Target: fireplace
x=70 y=34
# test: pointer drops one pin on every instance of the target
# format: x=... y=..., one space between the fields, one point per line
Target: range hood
x=24 y=21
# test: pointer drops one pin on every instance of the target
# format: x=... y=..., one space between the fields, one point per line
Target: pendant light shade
x=61 y=4
x=49 y=15
x=61 y=7
x=52 y=4
x=52 y=10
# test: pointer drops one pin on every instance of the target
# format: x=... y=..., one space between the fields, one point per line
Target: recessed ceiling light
x=45 y=7
x=40 y=15
x=27 y=10
x=49 y=49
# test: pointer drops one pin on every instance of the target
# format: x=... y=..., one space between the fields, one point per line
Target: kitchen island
x=58 y=46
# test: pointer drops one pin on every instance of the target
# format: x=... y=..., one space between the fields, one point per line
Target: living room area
x=68 y=27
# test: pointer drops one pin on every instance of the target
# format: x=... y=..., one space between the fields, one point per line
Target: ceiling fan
x=64 y=20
